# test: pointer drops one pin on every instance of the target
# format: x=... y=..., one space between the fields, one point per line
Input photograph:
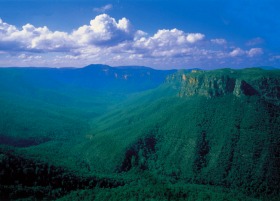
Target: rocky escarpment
x=212 y=84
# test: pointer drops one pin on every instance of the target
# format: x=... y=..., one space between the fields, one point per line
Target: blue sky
x=158 y=33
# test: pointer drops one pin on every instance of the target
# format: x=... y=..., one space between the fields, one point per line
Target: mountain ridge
x=187 y=130
x=139 y=66
x=228 y=81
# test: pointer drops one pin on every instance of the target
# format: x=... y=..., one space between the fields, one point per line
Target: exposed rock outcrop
x=215 y=84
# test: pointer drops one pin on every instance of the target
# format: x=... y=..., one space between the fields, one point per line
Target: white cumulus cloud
x=30 y=38
x=168 y=43
x=250 y=53
x=194 y=37
x=237 y=52
x=115 y=42
x=103 y=30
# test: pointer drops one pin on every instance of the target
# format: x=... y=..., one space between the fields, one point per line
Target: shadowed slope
x=218 y=128
x=202 y=135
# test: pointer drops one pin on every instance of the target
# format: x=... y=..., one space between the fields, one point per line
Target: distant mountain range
x=116 y=133
x=130 y=78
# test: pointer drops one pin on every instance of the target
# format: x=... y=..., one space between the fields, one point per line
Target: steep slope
x=218 y=128
x=49 y=101
x=45 y=112
x=202 y=135
x=248 y=82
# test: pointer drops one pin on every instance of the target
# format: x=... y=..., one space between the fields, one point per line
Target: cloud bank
x=116 y=42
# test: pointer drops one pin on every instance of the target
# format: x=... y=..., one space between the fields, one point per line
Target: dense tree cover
x=26 y=178
x=199 y=136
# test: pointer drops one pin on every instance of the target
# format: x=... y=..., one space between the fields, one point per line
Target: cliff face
x=218 y=128
x=226 y=81
x=212 y=129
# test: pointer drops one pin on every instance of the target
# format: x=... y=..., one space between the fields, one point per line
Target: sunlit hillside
x=134 y=133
